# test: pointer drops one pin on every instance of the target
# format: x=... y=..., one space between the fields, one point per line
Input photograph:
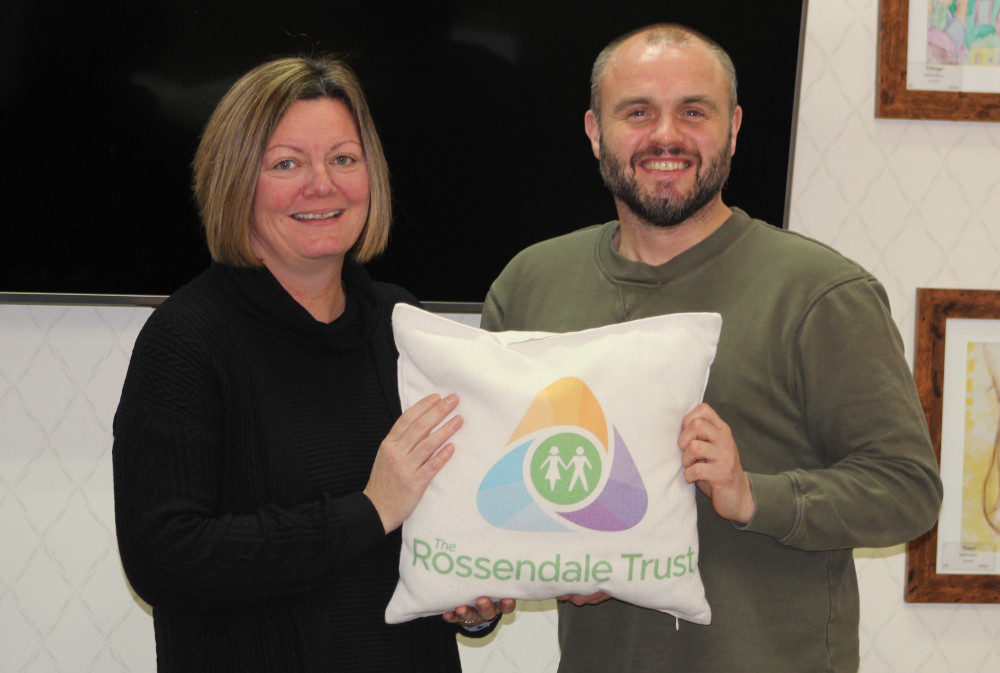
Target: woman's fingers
x=412 y=453
x=421 y=418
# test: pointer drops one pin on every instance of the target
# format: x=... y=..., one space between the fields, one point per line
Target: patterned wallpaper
x=64 y=605
x=916 y=202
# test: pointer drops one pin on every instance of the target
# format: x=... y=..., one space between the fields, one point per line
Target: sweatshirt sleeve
x=178 y=450
x=492 y=318
x=880 y=484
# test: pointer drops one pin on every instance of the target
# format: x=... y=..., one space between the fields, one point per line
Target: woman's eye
x=285 y=165
x=343 y=160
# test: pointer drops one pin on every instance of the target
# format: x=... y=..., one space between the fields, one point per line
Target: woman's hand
x=406 y=461
x=485 y=610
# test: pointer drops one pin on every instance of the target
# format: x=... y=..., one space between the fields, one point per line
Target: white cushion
x=567 y=476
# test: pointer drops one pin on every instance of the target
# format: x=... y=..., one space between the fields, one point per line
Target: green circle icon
x=565 y=468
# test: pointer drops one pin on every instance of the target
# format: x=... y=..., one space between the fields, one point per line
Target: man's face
x=666 y=135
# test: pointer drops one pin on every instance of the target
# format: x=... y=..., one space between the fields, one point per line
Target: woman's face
x=312 y=189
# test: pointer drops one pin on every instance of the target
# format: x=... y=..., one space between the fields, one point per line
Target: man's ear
x=735 y=124
x=593 y=129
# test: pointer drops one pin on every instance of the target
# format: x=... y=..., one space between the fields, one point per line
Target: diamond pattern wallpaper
x=916 y=202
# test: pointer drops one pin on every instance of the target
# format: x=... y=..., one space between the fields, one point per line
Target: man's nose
x=666 y=132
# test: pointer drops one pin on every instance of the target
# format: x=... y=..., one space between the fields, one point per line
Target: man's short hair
x=660 y=34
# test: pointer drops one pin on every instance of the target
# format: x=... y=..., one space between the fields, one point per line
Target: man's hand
x=712 y=462
x=580 y=600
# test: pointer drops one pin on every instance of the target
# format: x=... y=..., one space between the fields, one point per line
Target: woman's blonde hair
x=229 y=156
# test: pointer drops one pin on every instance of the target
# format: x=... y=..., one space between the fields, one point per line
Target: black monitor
x=479 y=104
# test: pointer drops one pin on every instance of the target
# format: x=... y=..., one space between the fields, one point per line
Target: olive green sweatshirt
x=811 y=377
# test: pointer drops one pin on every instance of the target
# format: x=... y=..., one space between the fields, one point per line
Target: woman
x=260 y=473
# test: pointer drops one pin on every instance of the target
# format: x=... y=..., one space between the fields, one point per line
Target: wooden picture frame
x=934 y=307
x=894 y=100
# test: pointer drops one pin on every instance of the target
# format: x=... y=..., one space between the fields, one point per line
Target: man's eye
x=637 y=113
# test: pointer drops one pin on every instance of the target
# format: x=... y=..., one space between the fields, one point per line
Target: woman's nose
x=320 y=182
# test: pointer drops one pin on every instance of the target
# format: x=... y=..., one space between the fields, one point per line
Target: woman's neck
x=318 y=289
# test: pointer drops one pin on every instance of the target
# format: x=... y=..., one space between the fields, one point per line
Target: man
x=811 y=440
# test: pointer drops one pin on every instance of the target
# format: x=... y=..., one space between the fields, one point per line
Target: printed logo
x=559 y=468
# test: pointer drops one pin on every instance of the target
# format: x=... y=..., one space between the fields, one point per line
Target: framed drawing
x=936 y=60
x=957 y=371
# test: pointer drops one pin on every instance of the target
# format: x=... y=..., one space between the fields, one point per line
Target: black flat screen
x=479 y=104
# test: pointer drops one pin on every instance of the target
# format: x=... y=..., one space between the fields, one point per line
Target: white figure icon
x=553 y=467
x=579 y=462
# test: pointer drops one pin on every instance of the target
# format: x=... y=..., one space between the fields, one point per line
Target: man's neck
x=639 y=241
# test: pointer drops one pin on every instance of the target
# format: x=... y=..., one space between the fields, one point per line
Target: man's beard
x=664 y=211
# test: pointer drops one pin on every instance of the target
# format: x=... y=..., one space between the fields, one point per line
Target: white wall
x=916 y=202
x=64 y=605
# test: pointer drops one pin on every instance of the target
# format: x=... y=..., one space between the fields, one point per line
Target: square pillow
x=567 y=476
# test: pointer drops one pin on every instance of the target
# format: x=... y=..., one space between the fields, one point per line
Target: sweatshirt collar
x=618 y=269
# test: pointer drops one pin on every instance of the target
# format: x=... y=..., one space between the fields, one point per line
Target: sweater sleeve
x=492 y=318
x=494 y=314
x=879 y=485
x=188 y=538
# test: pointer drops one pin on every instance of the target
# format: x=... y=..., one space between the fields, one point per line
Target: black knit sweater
x=244 y=437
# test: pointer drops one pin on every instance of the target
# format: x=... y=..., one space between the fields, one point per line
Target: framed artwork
x=957 y=371
x=936 y=60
